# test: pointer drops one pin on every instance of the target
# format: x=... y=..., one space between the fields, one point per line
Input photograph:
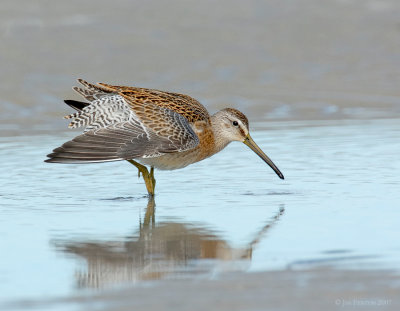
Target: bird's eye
x=235 y=123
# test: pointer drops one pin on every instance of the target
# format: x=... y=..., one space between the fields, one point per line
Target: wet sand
x=276 y=60
x=316 y=289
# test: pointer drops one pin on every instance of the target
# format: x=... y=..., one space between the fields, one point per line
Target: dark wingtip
x=50 y=157
x=77 y=105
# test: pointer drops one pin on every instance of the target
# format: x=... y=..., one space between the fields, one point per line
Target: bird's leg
x=148 y=177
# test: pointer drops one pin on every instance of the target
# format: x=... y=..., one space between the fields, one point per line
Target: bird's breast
x=176 y=160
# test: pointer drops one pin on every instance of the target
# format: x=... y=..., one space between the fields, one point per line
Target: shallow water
x=67 y=229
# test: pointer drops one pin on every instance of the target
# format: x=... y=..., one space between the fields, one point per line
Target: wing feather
x=114 y=131
x=182 y=104
x=116 y=142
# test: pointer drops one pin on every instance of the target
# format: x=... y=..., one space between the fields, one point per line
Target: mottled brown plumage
x=161 y=129
x=185 y=105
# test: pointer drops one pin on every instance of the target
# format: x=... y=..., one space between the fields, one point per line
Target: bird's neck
x=220 y=142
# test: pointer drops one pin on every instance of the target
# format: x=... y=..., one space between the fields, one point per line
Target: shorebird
x=159 y=129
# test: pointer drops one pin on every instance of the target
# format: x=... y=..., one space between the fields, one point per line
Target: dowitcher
x=159 y=129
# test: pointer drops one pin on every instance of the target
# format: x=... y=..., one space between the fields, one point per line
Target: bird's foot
x=148 y=178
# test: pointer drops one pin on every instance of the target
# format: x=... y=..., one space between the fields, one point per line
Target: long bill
x=253 y=146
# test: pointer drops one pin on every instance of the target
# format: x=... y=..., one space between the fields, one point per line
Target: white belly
x=171 y=161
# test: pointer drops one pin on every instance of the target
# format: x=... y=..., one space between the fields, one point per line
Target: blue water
x=68 y=229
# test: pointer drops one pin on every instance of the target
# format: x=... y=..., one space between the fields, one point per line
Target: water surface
x=69 y=229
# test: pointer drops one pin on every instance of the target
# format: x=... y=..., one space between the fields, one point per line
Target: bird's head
x=234 y=126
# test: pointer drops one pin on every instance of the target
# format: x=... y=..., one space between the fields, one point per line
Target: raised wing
x=114 y=131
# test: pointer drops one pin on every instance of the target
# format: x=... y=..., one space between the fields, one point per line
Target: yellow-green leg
x=149 y=179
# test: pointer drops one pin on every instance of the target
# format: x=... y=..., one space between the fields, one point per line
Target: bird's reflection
x=157 y=251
